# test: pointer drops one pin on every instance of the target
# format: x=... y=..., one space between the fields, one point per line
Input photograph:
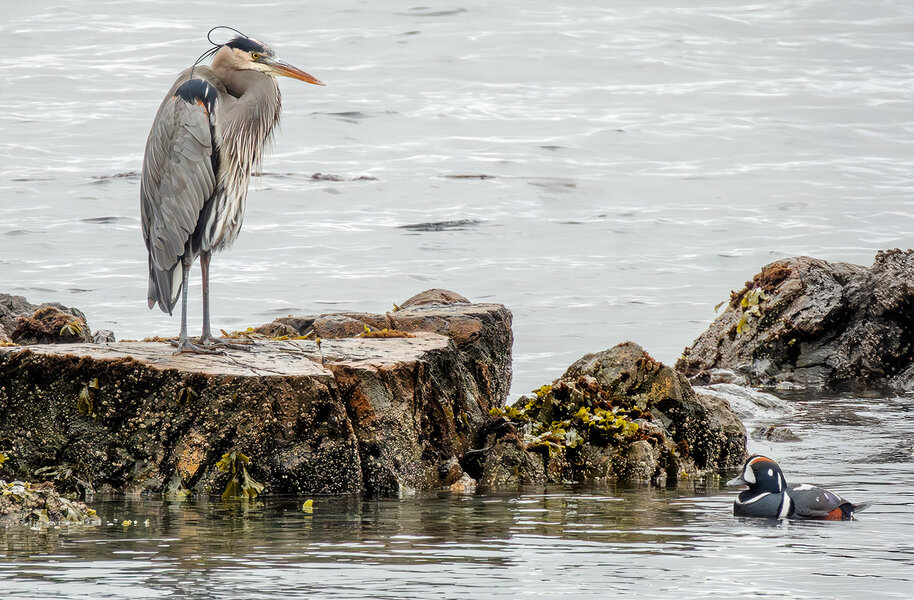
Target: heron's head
x=244 y=53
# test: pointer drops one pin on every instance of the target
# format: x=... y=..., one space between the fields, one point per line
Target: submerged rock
x=775 y=433
x=804 y=321
x=376 y=414
x=24 y=323
x=748 y=404
x=23 y=503
x=615 y=415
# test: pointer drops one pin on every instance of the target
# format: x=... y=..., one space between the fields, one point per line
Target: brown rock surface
x=434 y=296
x=349 y=415
x=50 y=323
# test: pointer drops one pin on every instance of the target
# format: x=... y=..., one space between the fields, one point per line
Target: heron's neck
x=240 y=82
x=253 y=100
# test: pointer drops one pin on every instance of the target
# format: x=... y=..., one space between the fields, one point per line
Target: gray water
x=608 y=171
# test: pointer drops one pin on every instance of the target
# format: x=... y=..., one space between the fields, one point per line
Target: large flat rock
x=374 y=415
x=265 y=358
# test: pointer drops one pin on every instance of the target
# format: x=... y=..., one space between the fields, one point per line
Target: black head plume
x=215 y=48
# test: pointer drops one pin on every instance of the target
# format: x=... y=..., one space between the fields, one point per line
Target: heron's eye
x=255 y=55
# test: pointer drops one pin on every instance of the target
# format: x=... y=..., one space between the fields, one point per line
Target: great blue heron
x=208 y=135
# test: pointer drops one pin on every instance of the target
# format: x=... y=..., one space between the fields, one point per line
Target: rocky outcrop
x=774 y=433
x=380 y=408
x=618 y=415
x=36 y=505
x=50 y=323
x=804 y=321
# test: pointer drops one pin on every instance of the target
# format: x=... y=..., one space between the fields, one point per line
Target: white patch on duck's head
x=749 y=474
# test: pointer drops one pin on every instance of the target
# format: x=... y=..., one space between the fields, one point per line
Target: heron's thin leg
x=207 y=338
x=204 y=272
x=184 y=344
x=182 y=338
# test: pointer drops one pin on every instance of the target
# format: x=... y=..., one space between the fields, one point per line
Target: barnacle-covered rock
x=51 y=323
x=616 y=415
x=39 y=504
x=379 y=413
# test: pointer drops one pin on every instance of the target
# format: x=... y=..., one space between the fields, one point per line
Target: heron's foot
x=212 y=343
x=185 y=346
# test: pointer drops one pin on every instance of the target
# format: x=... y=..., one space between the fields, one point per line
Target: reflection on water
x=340 y=527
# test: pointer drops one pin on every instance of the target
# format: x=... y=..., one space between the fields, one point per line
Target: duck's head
x=761 y=473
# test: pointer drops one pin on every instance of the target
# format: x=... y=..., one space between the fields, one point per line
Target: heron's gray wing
x=814 y=502
x=178 y=179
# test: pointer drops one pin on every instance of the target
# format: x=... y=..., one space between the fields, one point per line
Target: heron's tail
x=165 y=286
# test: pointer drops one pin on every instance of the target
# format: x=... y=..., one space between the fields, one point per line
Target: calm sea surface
x=608 y=170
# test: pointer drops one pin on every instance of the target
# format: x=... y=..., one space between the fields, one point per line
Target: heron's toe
x=185 y=346
x=235 y=344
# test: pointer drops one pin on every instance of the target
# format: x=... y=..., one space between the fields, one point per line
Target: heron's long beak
x=287 y=70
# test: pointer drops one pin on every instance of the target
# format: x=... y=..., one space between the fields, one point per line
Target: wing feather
x=178 y=179
x=814 y=502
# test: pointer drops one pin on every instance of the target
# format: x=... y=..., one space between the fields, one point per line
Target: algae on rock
x=40 y=505
x=618 y=415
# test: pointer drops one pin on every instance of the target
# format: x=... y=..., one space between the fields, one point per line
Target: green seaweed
x=85 y=402
x=186 y=395
x=751 y=303
x=384 y=333
x=563 y=417
x=241 y=484
x=41 y=500
x=71 y=328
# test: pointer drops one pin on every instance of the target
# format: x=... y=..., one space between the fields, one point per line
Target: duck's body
x=754 y=503
x=769 y=496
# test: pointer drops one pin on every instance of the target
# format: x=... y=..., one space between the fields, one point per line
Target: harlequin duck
x=770 y=496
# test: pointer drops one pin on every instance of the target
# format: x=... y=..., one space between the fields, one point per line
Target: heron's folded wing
x=178 y=175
